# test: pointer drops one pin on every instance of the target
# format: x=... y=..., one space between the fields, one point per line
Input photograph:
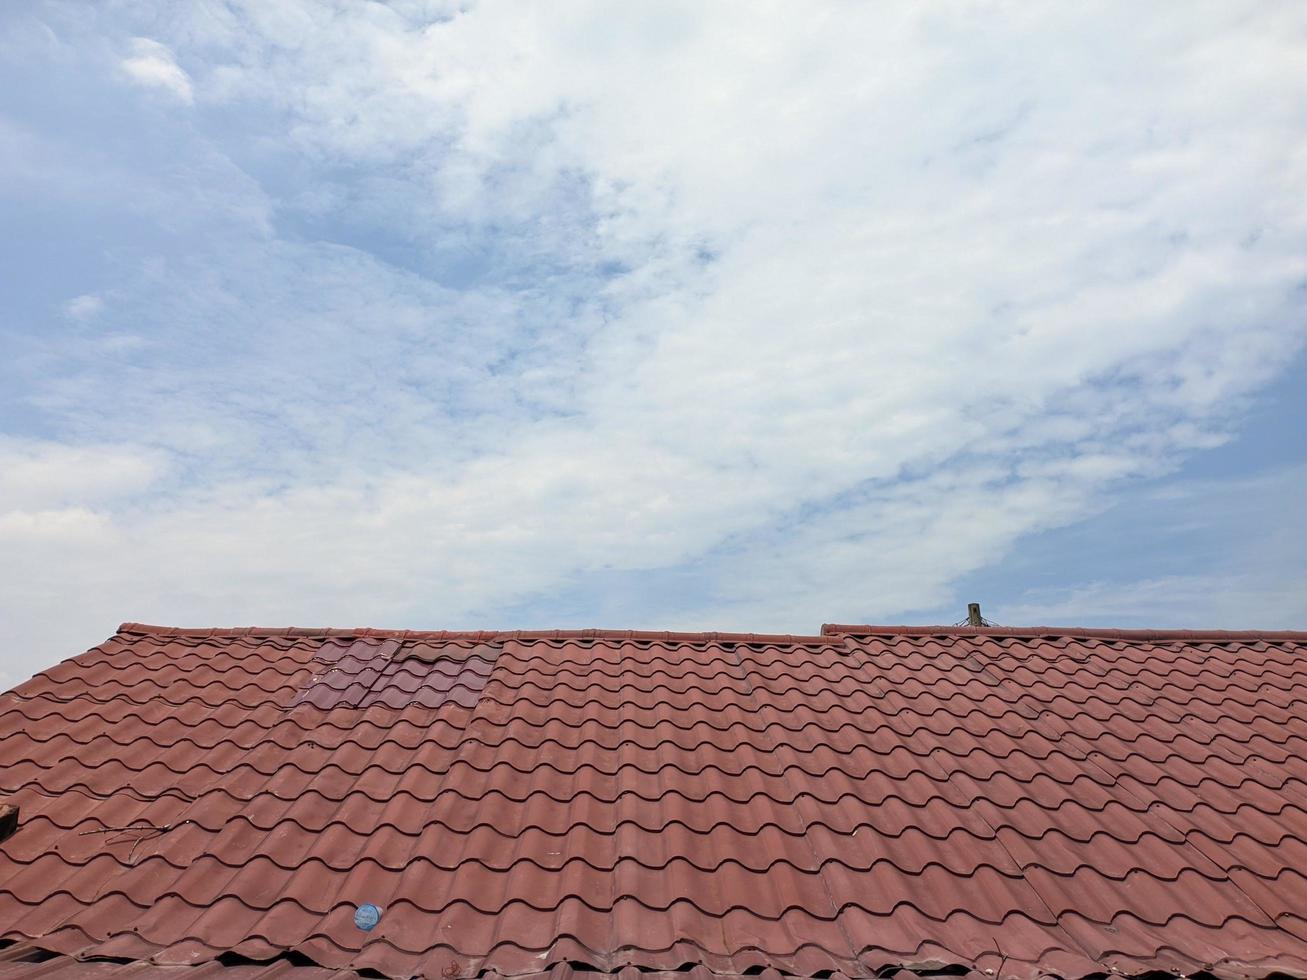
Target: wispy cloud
x=786 y=313
x=84 y=307
x=1226 y=552
x=1243 y=600
x=152 y=65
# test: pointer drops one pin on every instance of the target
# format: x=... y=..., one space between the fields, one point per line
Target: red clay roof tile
x=521 y=804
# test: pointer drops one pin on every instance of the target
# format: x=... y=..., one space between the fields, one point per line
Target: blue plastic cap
x=366 y=916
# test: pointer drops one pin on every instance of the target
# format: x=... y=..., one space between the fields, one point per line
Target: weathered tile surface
x=526 y=803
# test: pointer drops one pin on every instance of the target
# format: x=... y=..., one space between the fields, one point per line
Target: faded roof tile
x=552 y=804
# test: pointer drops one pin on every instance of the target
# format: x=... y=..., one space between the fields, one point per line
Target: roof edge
x=830 y=633
x=841 y=629
x=483 y=636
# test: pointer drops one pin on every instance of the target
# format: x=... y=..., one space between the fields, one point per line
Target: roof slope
x=1013 y=801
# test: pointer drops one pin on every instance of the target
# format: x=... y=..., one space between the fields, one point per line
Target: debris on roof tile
x=971 y=800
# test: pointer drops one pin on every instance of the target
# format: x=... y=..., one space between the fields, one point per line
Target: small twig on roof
x=141 y=829
x=141 y=825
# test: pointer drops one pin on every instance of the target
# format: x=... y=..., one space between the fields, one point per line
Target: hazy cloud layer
x=423 y=314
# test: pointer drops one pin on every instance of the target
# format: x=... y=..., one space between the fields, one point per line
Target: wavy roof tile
x=1008 y=802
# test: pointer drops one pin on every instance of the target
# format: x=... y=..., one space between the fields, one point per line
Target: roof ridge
x=841 y=629
x=479 y=635
x=829 y=633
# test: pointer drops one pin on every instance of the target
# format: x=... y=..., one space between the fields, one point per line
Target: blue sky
x=664 y=316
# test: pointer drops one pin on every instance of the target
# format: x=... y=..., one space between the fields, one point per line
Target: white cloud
x=37 y=474
x=153 y=65
x=84 y=307
x=831 y=305
x=72 y=523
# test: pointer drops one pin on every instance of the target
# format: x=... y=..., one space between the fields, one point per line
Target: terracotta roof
x=1011 y=802
x=23 y=962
